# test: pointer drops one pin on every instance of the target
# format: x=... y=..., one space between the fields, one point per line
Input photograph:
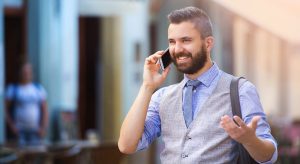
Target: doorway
x=14 y=41
x=89 y=74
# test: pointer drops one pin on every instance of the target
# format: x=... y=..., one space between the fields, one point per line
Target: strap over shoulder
x=234 y=96
x=244 y=157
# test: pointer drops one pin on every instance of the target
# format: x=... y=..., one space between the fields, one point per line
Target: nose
x=178 y=48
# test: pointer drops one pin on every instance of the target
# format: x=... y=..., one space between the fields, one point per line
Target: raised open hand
x=239 y=131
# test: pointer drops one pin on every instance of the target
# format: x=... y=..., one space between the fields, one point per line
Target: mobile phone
x=165 y=60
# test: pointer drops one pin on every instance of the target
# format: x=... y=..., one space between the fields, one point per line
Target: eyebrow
x=186 y=38
x=182 y=38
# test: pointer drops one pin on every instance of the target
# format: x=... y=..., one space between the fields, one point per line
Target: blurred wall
x=125 y=46
x=266 y=50
x=53 y=50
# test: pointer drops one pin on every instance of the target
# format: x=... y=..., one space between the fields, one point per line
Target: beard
x=198 y=61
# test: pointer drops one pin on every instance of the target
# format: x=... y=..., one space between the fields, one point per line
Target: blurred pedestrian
x=26 y=108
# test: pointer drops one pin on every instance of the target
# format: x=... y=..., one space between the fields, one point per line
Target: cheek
x=191 y=50
x=196 y=49
x=172 y=50
x=188 y=48
x=192 y=47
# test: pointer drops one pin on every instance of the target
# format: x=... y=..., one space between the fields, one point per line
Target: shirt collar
x=207 y=77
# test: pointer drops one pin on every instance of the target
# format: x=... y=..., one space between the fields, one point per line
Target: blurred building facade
x=89 y=54
x=266 y=49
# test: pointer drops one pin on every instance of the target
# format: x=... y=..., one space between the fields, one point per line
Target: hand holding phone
x=165 y=60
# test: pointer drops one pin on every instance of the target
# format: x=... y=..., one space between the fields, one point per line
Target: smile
x=182 y=59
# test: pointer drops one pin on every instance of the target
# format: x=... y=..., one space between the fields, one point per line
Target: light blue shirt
x=249 y=101
x=27 y=101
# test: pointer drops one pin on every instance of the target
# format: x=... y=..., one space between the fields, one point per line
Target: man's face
x=187 y=49
x=27 y=73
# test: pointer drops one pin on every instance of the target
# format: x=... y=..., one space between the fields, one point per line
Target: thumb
x=254 y=122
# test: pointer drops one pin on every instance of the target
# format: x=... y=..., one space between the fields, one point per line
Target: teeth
x=181 y=58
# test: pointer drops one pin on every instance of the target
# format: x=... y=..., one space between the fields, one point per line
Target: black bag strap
x=243 y=157
x=234 y=97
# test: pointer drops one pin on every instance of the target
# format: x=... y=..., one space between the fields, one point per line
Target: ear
x=209 y=43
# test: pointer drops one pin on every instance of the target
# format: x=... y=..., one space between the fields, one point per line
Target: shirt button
x=188 y=138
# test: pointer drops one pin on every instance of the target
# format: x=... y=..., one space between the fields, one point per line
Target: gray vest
x=204 y=141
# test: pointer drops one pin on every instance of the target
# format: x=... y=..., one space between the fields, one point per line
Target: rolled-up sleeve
x=250 y=107
x=152 y=127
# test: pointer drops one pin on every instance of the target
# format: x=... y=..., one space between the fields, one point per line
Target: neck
x=23 y=82
x=206 y=67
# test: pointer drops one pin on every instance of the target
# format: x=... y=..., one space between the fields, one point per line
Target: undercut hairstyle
x=195 y=15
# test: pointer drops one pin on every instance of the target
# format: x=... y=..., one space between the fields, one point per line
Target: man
x=207 y=133
x=26 y=109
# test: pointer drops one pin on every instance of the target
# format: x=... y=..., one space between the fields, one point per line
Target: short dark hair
x=196 y=16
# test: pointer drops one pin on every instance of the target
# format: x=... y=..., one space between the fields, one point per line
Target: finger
x=254 y=122
x=227 y=119
x=147 y=60
x=154 y=57
x=151 y=60
x=239 y=121
x=231 y=128
x=158 y=63
x=224 y=120
x=228 y=122
x=159 y=53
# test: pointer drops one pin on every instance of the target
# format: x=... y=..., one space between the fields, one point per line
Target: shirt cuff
x=143 y=144
x=275 y=154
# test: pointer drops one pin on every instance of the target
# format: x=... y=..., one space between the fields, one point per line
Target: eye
x=171 y=42
x=186 y=40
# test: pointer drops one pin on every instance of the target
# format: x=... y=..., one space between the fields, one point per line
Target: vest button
x=188 y=138
x=184 y=155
